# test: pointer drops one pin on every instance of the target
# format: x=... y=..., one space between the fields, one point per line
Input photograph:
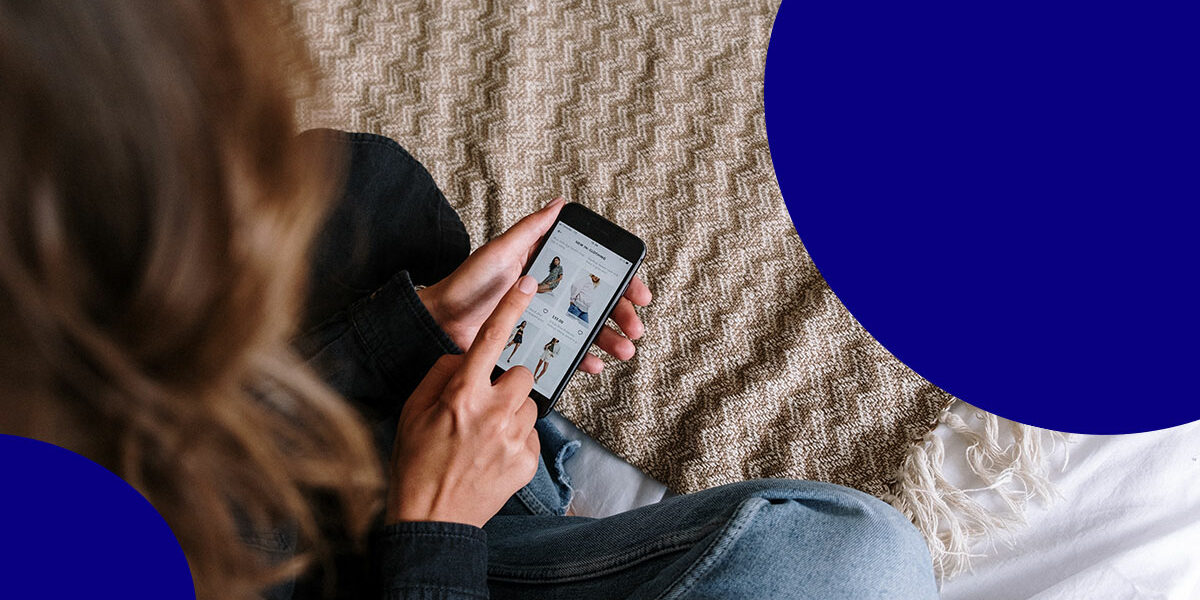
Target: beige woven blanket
x=651 y=113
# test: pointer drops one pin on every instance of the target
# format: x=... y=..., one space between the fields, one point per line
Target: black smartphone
x=582 y=267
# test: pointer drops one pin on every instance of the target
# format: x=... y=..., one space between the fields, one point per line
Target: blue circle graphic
x=72 y=529
x=1004 y=195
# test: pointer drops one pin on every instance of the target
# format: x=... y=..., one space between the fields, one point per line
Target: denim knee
x=811 y=540
x=882 y=532
x=866 y=548
x=391 y=217
x=427 y=210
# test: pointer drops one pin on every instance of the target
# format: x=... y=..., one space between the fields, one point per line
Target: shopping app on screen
x=576 y=279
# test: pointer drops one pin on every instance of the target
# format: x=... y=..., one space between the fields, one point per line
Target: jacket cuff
x=398 y=333
x=434 y=558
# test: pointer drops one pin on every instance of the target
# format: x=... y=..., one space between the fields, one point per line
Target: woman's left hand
x=462 y=301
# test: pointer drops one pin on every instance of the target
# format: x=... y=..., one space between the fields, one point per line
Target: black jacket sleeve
x=377 y=350
x=433 y=561
x=374 y=353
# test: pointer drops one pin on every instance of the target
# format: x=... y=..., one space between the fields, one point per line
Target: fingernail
x=527 y=284
x=553 y=202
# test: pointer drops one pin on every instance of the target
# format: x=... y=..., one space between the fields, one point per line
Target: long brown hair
x=156 y=211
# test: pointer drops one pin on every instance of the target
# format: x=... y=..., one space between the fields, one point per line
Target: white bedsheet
x=1127 y=526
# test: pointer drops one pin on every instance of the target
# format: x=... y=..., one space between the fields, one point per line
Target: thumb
x=526 y=232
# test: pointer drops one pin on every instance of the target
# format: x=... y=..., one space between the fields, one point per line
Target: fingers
x=638 y=293
x=492 y=336
x=534 y=447
x=591 y=364
x=516 y=382
x=527 y=231
x=526 y=414
x=440 y=373
x=615 y=344
x=627 y=319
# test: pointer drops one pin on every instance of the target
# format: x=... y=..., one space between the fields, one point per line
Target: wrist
x=411 y=512
x=434 y=299
x=393 y=519
x=400 y=509
x=429 y=297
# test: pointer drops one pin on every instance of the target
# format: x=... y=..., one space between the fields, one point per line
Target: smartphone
x=582 y=267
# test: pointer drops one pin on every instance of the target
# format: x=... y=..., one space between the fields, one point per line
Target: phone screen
x=577 y=280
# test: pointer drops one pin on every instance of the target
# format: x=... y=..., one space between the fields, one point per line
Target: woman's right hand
x=466 y=444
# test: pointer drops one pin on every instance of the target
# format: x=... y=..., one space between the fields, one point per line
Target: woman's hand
x=465 y=444
x=460 y=302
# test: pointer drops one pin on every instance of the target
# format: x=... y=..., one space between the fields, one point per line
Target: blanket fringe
x=1009 y=458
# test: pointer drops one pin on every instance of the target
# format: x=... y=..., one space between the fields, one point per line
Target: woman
x=549 y=351
x=552 y=279
x=166 y=312
x=515 y=341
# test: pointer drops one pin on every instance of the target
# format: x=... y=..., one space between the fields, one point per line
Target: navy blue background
x=1004 y=195
x=71 y=529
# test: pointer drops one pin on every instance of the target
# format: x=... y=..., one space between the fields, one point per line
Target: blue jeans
x=755 y=539
x=768 y=538
x=572 y=309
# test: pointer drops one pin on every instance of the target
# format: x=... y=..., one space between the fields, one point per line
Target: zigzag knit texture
x=651 y=113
